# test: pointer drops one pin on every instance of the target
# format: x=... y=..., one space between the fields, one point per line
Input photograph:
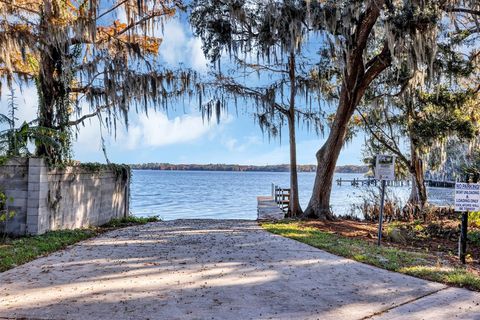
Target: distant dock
x=371 y=182
x=440 y=183
x=394 y=183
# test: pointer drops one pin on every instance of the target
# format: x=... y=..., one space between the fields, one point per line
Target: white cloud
x=231 y=144
x=158 y=130
x=178 y=47
x=174 y=42
x=198 y=60
x=234 y=145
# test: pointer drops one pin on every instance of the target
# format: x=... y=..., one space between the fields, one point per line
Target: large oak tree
x=101 y=54
x=363 y=40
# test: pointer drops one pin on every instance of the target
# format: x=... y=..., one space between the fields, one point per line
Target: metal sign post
x=467 y=198
x=380 y=219
x=462 y=245
x=384 y=170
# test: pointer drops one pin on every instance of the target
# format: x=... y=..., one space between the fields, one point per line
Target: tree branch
x=461 y=10
x=87 y=116
x=236 y=88
x=382 y=141
x=111 y=9
x=19 y=7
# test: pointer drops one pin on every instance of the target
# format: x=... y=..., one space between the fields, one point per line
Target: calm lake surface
x=232 y=195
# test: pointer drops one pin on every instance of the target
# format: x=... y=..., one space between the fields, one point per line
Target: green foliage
x=413 y=263
x=471 y=167
x=474 y=219
x=129 y=221
x=459 y=277
x=428 y=109
x=23 y=250
x=14 y=140
x=384 y=257
x=15 y=252
x=474 y=238
x=443 y=113
x=122 y=171
x=5 y=213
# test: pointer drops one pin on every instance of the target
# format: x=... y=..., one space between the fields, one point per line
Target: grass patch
x=15 y=252
x=421 y=265
x=22 y=250
x=130 y=221
x=453 y=276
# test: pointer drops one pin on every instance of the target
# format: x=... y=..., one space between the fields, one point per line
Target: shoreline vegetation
x=18 y=251
x=419 y=249
x=244 y=168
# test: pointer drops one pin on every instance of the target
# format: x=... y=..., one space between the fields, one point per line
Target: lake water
x=232 y=195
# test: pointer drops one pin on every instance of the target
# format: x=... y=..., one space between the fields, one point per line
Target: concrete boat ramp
x=217 y=269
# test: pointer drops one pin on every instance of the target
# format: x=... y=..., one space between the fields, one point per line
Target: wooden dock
x=267 y=209
x=274 y=207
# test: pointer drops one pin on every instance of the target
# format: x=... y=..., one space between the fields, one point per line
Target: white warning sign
x=467 y=197
x=385 y=167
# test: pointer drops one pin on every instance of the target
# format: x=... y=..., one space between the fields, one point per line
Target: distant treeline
x=238 y=167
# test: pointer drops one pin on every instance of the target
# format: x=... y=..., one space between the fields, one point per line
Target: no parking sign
x=467 y=197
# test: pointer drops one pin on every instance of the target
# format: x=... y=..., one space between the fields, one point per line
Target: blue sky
x=181 y=136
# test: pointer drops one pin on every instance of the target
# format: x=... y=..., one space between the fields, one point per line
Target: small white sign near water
x=385 y=167
x=467 y=197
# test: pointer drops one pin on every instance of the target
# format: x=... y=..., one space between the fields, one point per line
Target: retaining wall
x=50 y=199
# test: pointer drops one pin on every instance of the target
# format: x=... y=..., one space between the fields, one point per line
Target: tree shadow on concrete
x=200 y=269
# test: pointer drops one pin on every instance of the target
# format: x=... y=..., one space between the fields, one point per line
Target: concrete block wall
x=68 y=198
x=14 y=183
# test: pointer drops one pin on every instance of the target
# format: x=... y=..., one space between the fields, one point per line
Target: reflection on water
x=232 y=195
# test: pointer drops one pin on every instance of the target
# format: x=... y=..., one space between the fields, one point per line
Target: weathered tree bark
x=52 y=88
x=327 y=156
x=418 y=195
x=46 y=110
x=357 y=77
x=294 y=209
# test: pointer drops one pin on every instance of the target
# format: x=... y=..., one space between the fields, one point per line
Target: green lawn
x=421 y=265
x=18 y=251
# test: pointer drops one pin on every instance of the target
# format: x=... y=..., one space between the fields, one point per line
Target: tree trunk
x=294 y=209
x=52 y=85
x=418 y=195
x=327 y=156
x=46 y=108
x=357 y=76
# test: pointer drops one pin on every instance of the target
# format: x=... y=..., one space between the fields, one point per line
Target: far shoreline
x=354 y=169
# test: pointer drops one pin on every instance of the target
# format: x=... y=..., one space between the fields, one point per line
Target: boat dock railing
x=281 y=196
